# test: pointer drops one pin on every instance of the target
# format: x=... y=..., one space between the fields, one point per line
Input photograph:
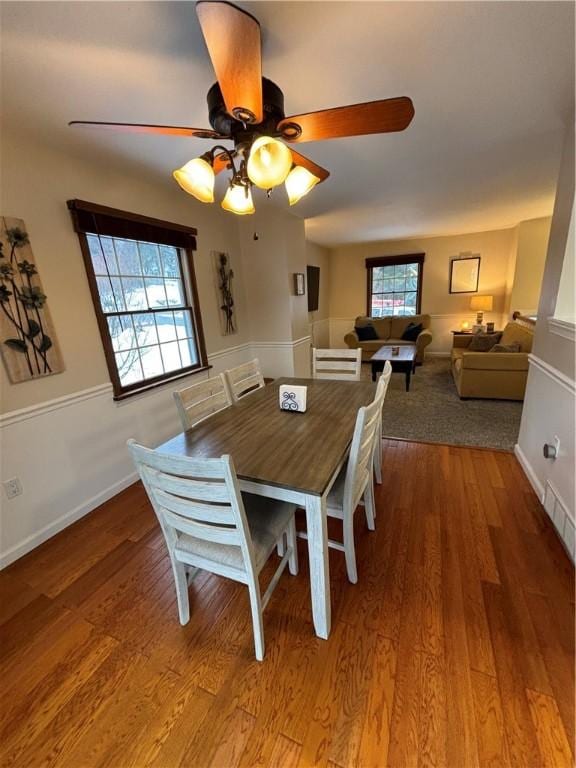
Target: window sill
x=155 y=384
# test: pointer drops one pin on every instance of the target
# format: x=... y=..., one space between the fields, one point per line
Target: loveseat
x=498 y=375
x=389 y=331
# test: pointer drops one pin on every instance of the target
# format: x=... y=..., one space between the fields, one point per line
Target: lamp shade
x=197 y=178
x=269 y=162
x=238 y=199
x=299 y=182
x=482 y=303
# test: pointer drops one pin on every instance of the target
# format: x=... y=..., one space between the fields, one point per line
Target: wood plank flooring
x=455 y=648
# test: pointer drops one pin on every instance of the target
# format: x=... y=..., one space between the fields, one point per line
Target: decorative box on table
x=293 y=397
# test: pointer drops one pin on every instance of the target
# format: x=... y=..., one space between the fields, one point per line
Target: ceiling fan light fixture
x=238 y=199
x=197 y=178
x=269 y=162
x=299 y=182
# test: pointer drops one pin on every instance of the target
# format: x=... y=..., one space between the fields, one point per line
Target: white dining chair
x=339 y=364
x=209 y=525
x=244 y=379
x=354 y=483
x=199 y=401
x=383 y=382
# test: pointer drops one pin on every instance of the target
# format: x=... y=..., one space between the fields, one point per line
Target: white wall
x=549 y=405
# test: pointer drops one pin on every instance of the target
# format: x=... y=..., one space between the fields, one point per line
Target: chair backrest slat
x=199 y=401
x=244 y=379
x=192 y=489
x=204 y=531
x=337 y=364
x=214 y=514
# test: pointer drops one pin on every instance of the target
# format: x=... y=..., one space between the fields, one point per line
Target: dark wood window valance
x=101 y=220
x=386 y=261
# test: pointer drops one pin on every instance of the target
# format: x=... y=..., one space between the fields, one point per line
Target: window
x=141 y=276
x=395 y=285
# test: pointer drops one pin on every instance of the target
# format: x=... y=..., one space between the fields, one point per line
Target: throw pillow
x=366 y=333
x=514 y=347
x=483 y=342
x=412 y=331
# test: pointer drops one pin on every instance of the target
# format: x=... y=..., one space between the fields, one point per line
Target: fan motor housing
x=225 y=124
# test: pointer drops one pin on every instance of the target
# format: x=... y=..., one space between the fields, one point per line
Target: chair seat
x=335 y=500
x=267 y=519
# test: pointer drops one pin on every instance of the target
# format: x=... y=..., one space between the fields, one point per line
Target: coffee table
x=403 y=362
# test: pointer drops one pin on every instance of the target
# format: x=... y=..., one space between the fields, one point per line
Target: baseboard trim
x=35 y=539
x=529 y=472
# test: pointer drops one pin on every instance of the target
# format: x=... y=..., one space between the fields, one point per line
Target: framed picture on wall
x=464 y=274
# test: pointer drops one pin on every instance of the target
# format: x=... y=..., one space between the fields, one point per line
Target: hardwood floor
x=455 y=648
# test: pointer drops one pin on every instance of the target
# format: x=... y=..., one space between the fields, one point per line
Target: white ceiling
x=492 y=84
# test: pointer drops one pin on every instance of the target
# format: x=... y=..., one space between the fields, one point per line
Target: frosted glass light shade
x=299 y=182
x=269 y=162
x=238 y=199
x=197 y=178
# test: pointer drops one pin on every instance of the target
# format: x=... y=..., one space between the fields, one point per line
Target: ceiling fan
x=248 y=109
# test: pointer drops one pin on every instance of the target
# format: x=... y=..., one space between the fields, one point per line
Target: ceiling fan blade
x=233 y=40
x=355 y=120
x=165 y=130
x=317 y=170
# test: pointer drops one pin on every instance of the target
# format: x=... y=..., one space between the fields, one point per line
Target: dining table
x=287 y=455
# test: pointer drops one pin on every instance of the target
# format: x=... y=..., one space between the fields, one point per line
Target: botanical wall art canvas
x=27 y=339
x=224 y=275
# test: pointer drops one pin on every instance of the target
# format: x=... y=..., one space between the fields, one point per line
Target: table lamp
x=481 y=304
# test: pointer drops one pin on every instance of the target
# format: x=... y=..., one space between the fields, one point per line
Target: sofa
x=390 y=330
x=497 y=375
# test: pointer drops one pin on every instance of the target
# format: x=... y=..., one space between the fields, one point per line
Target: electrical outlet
x=13 y=487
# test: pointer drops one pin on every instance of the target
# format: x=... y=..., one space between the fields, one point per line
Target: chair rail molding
x=280 y=344
x=564 y=328
x=553 y=373
x=100 y=390
x=47 y=406
x=229 y=351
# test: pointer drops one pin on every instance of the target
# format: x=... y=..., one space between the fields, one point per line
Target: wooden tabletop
x=407 y=352
x=299 y=451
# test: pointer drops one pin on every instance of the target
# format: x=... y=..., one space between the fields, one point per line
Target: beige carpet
x=433 y=412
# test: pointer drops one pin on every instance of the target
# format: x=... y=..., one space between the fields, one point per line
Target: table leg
x=408 y=374
x=374 y=371
x=319 y=569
